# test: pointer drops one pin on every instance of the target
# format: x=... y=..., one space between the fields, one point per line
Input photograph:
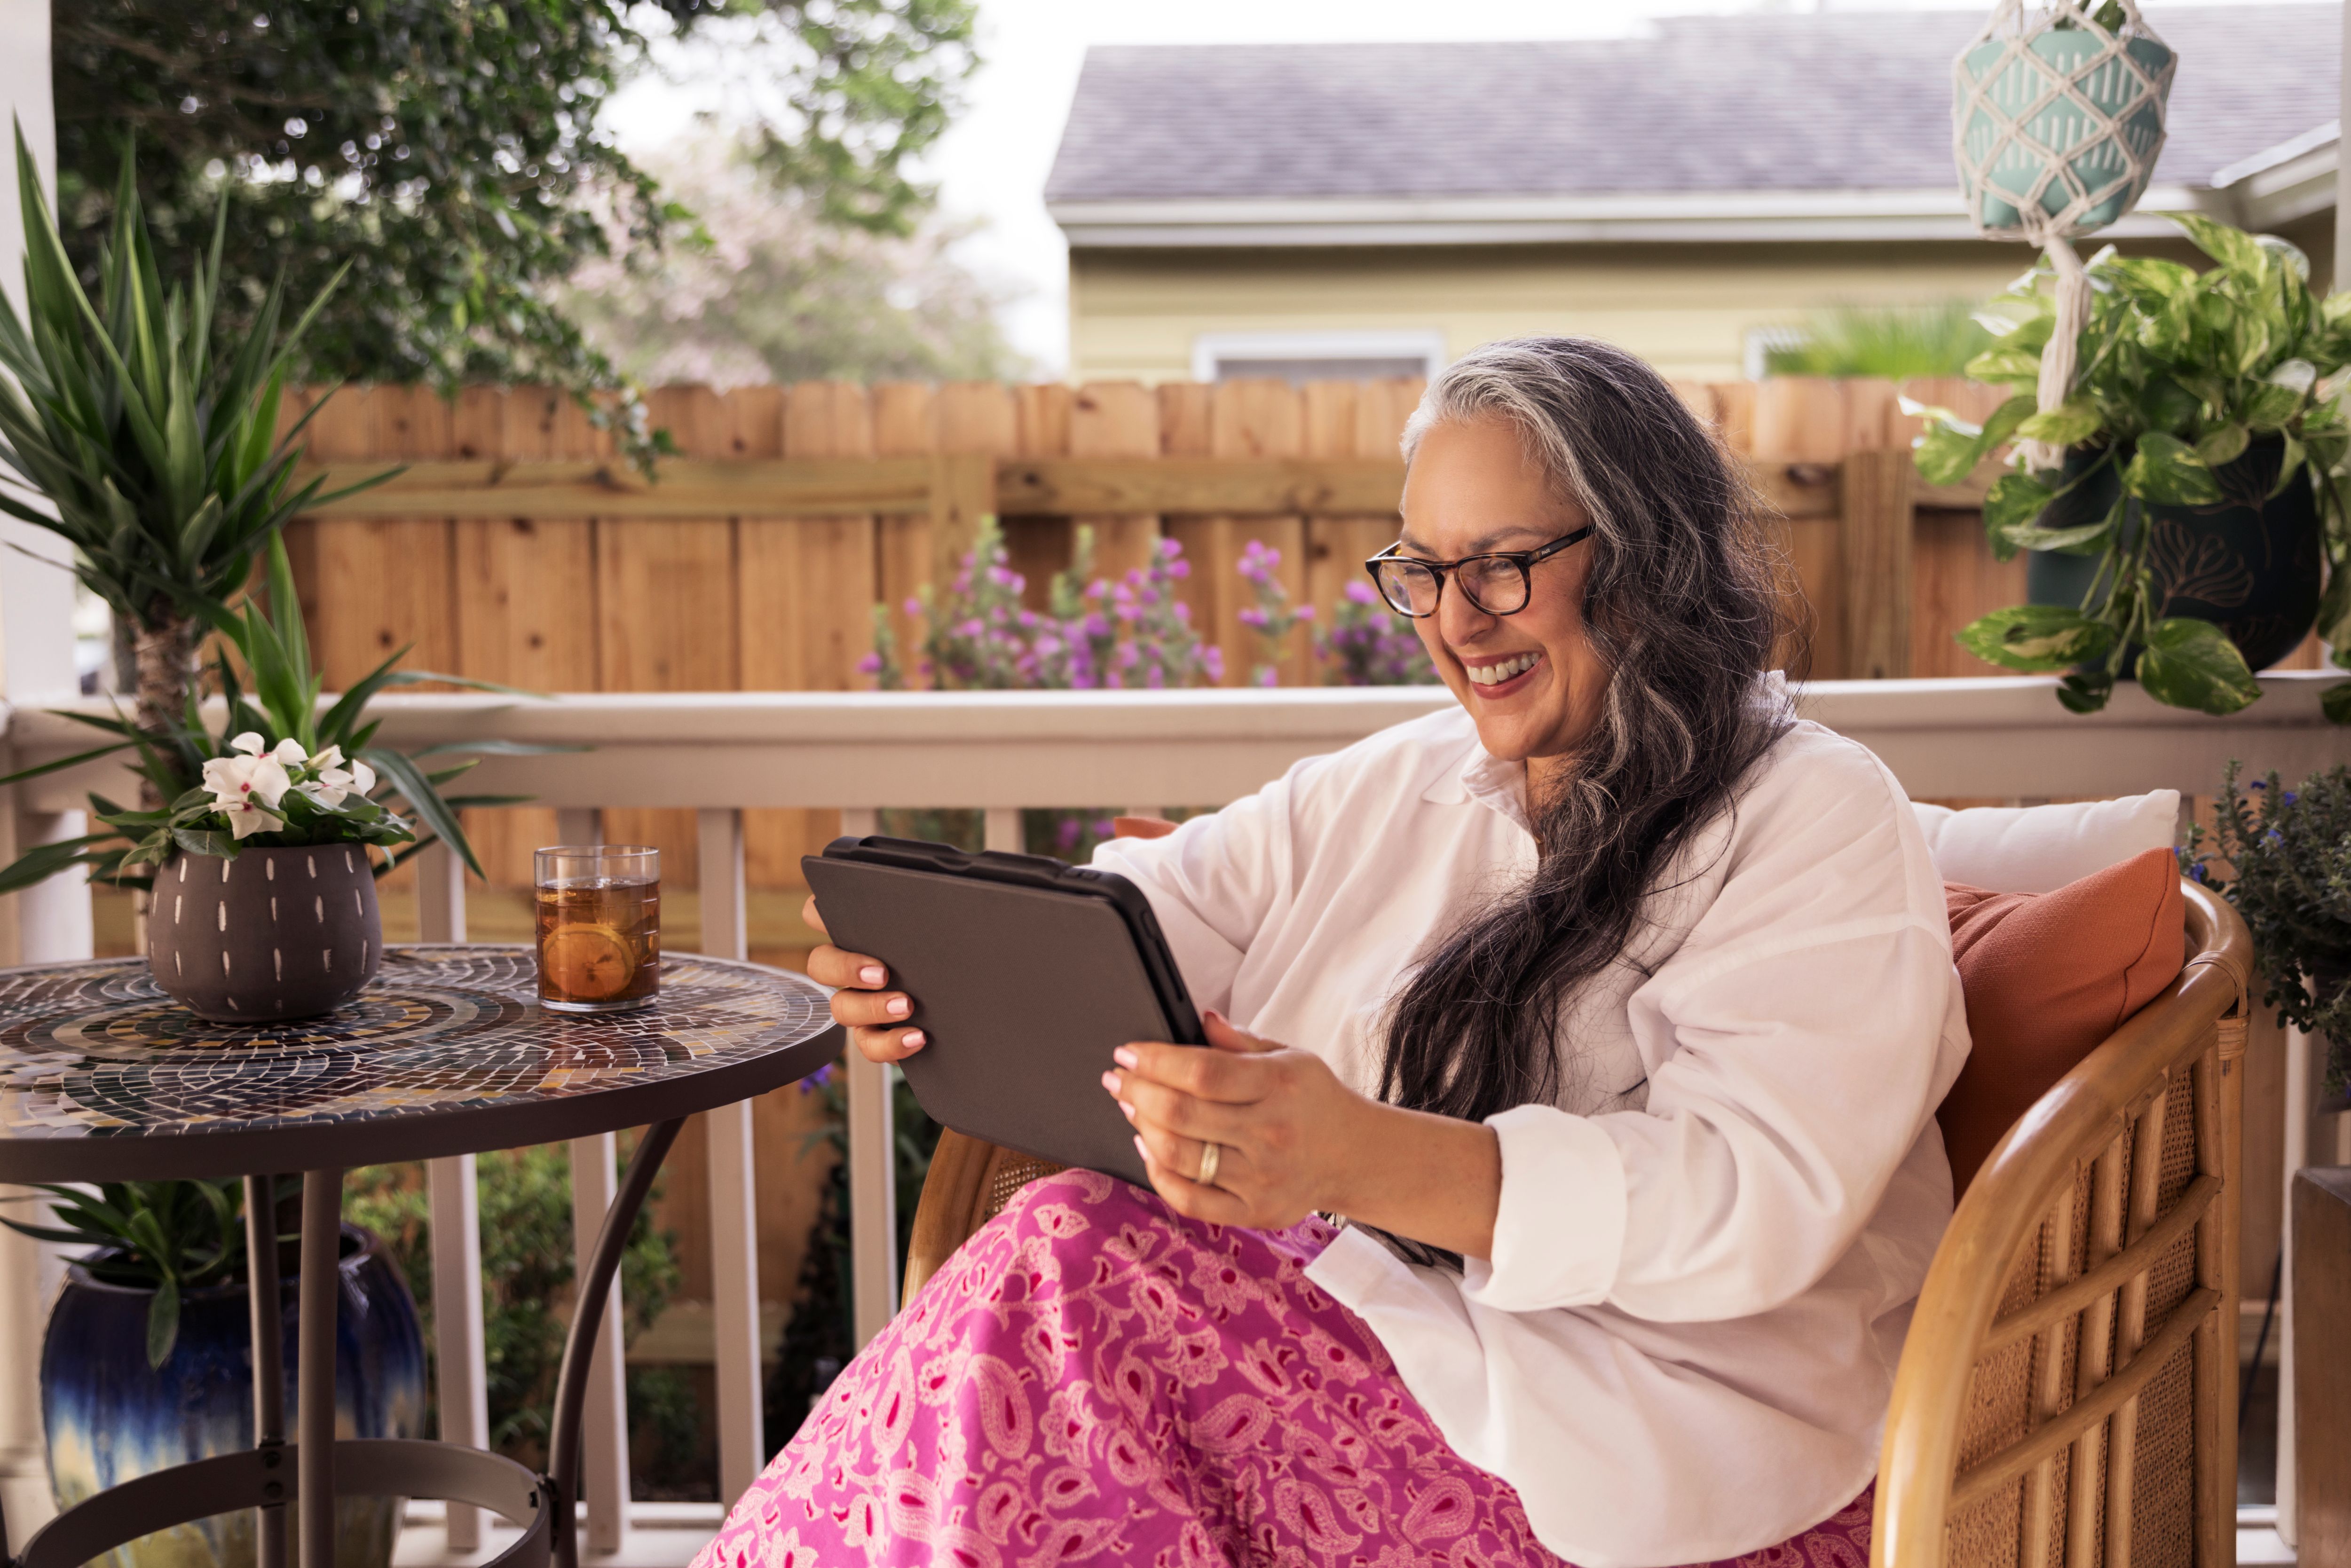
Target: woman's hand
x=1291 y=1139
x=873 y=1016
x=1288 y=1132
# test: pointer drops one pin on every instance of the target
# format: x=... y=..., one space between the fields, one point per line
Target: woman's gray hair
x=1681 y=603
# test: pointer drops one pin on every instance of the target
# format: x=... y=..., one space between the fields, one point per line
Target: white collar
x=1499 y=785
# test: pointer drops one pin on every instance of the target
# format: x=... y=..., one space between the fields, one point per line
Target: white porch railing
x=721 y=753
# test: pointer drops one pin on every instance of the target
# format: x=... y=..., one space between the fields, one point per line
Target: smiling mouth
x=1506 y=672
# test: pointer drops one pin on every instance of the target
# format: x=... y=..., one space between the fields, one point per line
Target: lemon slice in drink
x=588 y=963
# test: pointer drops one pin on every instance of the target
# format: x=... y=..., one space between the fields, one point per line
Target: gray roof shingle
x=1852 y=100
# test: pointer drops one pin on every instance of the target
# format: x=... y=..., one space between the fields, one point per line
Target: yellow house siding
x=1687 y=309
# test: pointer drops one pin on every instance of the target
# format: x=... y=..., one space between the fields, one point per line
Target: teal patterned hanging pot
x=2057 y=122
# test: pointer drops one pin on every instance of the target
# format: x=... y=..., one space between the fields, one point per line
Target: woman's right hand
x=873 y=1015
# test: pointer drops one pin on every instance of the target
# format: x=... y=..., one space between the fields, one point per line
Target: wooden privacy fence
x=517 y=546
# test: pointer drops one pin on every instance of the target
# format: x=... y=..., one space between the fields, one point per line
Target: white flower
x=334 y=781
x=249 y=743
x=289 y=752
x=248 y=819
x=239 y=782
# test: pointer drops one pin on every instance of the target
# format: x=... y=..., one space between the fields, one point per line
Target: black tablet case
x=1025 y=973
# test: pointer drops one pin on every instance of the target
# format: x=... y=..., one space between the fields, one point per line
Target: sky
x=990 y=166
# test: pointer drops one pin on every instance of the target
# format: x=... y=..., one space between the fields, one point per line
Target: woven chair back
x=2067 y=1393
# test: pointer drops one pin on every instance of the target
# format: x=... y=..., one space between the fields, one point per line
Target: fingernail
x=1110 y=1082
x=872 y=974
x=897 y=1007
x=1126 y=1109
x=1141 y=1150
x=911 y=1040
x=1123 y=1056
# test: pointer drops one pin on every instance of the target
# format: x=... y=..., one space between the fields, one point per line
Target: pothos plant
x=279 y=773
x=2179 y=371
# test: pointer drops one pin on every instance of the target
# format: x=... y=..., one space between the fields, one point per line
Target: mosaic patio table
x=104 y=1077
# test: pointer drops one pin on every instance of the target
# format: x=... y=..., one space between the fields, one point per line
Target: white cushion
x=2038 y=849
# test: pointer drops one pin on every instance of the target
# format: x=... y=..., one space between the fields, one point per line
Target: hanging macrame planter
x=2056 y=124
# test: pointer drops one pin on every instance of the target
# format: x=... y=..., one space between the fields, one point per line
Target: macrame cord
x=2041 y=112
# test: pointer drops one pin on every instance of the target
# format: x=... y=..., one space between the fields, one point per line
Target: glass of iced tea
x=599 y=911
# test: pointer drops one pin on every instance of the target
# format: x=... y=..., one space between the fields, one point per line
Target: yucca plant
x=279 y=772
x=155 y=447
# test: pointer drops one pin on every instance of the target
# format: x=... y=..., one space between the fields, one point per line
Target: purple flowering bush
x=1095 y=634
x=1272 y=613
x=1369 y=644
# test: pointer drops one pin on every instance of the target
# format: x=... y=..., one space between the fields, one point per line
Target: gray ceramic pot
x=271 y=934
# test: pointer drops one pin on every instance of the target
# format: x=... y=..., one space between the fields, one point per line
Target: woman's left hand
x=1286 y=1129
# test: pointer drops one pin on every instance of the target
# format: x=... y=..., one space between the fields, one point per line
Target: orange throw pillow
x=2047 y=977
x=1141 y=827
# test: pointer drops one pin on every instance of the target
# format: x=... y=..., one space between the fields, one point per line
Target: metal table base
x=310 y=1471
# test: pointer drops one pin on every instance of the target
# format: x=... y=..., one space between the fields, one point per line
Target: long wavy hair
x=1682 y=604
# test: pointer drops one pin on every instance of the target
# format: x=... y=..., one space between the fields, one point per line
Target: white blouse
x=1705 y=1254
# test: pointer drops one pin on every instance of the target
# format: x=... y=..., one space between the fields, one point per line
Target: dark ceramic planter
x=2248 y=563
x=271 y=934
x=109 y=1416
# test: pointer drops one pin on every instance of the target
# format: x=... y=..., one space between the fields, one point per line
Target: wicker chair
x=2082 y=1304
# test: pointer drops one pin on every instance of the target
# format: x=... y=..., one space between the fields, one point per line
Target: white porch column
x=35 y=661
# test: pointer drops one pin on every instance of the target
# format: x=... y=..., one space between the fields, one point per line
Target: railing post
x=1003 y=831
x=604 y=1435
x=461 y=1377
x=580 y=825
x=734 y=1213
x=873 y=1175
x=440 y=894
x=2302 y=1077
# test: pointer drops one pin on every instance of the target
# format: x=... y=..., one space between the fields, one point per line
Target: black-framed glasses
x=1497 y=584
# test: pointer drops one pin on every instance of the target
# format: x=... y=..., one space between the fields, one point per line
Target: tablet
x=1025 y=974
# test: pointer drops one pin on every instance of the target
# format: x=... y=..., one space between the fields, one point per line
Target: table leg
x=314 y=1414
x=269 y=1359
x=595 y=1283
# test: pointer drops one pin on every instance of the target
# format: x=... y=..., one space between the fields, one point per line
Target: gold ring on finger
x=1210 y=1154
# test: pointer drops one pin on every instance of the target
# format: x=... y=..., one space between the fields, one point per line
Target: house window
x=1762 y=343
x=1299 y=357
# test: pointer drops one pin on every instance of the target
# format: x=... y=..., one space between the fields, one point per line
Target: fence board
x=1351 y=419
x=1874 y=541
x=666 y=616
x=1254 y=420
x=904 y=426
x=1117 y=419
x=526 y=592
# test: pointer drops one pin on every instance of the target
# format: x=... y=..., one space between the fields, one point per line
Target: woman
x=1609 y=1010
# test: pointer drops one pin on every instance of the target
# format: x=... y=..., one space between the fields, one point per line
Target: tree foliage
x=766 y=290
x=448 y=150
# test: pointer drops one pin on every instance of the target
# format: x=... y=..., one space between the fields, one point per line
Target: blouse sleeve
x=1800 y=1039
x=1213 y=884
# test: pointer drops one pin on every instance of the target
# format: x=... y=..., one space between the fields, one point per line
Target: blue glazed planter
x=111 y=1417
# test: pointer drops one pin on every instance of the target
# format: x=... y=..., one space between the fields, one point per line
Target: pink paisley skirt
x=1092 y=1378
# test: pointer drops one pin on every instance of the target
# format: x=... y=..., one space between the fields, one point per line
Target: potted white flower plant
x=262 y=886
